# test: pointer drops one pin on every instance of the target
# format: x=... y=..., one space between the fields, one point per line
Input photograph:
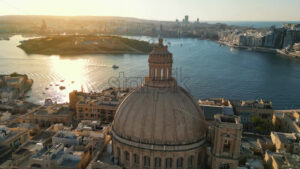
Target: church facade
x=159 y=125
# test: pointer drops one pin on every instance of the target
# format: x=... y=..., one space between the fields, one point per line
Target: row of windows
x=80 y=109
x=161 y=73
x=94 y=115
x=100 y=116
x=157 y=161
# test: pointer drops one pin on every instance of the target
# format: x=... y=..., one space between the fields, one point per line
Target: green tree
x=261 y=126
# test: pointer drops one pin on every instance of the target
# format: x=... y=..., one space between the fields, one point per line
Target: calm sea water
x=204 y=68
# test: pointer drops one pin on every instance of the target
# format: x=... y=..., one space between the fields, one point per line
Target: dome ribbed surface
x=160 y=116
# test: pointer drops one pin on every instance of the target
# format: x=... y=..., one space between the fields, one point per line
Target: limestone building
x=160 y=126
x=226 y=142
x=48 y=114
x=97 y=106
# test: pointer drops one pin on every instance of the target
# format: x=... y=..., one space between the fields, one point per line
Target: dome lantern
x=160 y=67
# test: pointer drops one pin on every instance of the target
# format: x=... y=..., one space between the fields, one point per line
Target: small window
x=226 y=147
x=127 y=156
x=200 y=159
x=180 y=162
x=118 y=152
x=168 y=162
x=136 y=159
x=146 y=161
x=191 y=162
x=157 y=162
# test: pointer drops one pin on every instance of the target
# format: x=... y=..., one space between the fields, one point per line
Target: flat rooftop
x=55 y=109
x=69 y=163
x=286 y=137
x=228 y=119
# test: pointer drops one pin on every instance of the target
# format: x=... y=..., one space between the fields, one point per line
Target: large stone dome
x=167 y=116
x=159 y=124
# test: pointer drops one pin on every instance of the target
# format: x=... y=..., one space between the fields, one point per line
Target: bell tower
x=160 y=67
x=226 y=142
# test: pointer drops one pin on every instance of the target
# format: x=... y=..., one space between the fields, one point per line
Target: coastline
x=261 y=49
x=85 y=53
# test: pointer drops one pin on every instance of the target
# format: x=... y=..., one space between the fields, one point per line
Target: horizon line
x=146 y=19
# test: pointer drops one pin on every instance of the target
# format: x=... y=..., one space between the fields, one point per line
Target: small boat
x=56 y=85
x=50 y=85
x=44 y=93
x=46 y=88
x=73 y=82
x=62 y=87
x=62 y=81
x=115 y=66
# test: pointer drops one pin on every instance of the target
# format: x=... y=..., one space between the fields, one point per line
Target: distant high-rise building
x=43 y=26
x=186 y=19
x=198 y=20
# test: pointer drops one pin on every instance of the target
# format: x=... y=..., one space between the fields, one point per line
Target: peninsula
x=84 y=44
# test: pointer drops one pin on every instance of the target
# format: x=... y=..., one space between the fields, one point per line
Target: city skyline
x=214 y=10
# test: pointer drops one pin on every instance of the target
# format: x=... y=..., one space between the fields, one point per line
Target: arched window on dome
x=179 y=162
x=161 y=73
x=147 y=161
x=191 y=162
x=136 y=159
x=157 y=163
x=168 y=163
x=199 y=159
x=118 y=152
x=155 y=73
x=127 y=156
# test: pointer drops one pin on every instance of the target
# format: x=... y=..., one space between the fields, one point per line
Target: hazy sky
x=229 y=10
